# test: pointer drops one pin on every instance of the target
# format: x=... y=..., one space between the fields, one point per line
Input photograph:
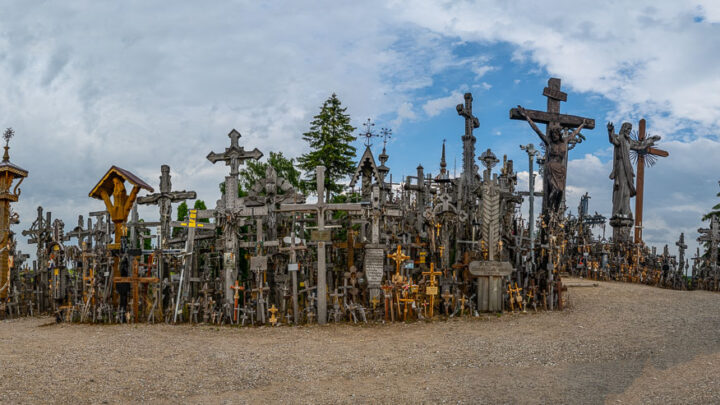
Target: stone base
x=621 y=228
x=490 y=276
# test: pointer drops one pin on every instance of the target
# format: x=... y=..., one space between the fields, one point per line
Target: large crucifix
x=320 y=208
x=558 y=138
x=651 y=152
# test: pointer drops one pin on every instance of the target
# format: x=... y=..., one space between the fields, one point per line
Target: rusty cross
x=135 y=280
x=351 y=244
x=640 y=180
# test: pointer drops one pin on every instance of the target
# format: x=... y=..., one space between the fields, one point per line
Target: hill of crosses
x=276 y=249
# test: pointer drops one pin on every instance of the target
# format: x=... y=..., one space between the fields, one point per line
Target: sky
x=138 y=84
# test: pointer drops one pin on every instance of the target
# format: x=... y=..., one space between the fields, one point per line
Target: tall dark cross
x=471 y=122
x=163 y=200
x=233 y=156
x=561 y=123
x=651 y=153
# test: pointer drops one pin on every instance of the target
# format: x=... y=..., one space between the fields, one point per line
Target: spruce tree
x=330 y=138
x=715 y=210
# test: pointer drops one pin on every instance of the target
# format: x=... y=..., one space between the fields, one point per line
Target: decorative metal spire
x=9 y=133
x=369 y=134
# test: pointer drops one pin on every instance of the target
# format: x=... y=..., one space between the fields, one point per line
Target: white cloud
x=650 y=58
x=437 y=105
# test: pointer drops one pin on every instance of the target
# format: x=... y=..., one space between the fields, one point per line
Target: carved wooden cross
x=640 y=179
x=135 y=280
x=399 y=257
x=164 y=199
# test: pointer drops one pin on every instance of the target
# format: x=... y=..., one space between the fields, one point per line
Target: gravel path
x=617 y=343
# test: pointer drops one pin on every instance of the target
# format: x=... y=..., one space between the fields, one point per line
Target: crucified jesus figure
x=558 y=141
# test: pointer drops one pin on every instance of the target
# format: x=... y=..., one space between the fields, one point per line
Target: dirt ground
x=618 y=343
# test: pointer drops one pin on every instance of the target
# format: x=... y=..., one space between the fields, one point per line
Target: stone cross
x=320 y=208
x=233 y=156
x=651 y=152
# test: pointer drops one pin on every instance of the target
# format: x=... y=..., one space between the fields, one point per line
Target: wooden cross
x=191 y=224
x=350 y=245
x=640 y=180
x=447 y=299
x=432 y=290
x=399 y=257
x=273 y=320
x=320 y=208
x=552 y=118
x=387 y=290
x=237 y=289
x=405 y=300
x=552 y=114
x=164 y=200
x=135 y=280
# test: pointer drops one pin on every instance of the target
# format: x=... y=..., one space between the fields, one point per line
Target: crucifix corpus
x=561 y=134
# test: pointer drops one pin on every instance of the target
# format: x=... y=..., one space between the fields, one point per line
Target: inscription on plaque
x=320 y=236
x=374 y=262
x=258 y=262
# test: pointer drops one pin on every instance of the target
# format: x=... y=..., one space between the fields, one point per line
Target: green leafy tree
x=255 y=170
x=182 y=211
x=330 y=138
x=200 y=205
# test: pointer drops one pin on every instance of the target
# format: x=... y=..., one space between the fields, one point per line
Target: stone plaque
x=373 y=266
x=258 y=262
x=320 y=236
